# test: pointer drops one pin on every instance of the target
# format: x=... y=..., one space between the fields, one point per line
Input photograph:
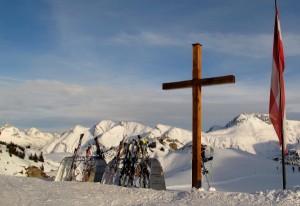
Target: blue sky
x=74 y=62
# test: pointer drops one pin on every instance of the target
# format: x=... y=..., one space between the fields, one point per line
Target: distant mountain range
x=252 y=133
x=32 y=137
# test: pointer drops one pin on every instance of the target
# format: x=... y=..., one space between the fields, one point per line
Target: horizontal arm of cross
x=199 y=82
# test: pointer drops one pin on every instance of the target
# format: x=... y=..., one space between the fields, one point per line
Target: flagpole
x=282 y=126
x=282 y=143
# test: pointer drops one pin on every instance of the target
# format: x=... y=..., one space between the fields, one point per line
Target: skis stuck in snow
x=88 y=164
x=132 y=167
x=86 y=168
x=72 y=173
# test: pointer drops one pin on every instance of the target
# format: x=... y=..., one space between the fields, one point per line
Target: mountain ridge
x=251 y=133
x=241 y=132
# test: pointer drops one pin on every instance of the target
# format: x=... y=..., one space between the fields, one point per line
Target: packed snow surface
x=29 y=191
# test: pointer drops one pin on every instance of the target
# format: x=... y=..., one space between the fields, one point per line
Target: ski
x=124 y=178
x=87 y=165
x=75 y=156
x=132 y=165
x=135 y=165
x=115 y=163
x=144 y=164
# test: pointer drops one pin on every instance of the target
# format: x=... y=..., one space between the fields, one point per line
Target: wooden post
x=196 y=162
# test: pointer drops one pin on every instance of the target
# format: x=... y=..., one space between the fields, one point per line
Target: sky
x=69 y=62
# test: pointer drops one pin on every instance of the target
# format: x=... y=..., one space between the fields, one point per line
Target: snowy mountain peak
x=102 y=127
x=9 y=131
x=33 y=132
x=10 y=127
x=32 y=137
x=243 y=118
x=77 y=129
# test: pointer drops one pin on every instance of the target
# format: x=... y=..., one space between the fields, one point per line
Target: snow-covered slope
x=231 y=170
x=252 y=133
x=115 y=134
x=69 y=140
x=10 y=164
x=240 y=178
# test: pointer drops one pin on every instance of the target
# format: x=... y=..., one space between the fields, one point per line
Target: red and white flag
x=277 y=94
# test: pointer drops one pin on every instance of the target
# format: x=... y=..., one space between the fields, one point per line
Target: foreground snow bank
x=30 y=191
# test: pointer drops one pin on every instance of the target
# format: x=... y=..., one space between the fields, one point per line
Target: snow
x=233 y=171
x=30 y=191
x=252 y=133
x=242 y=172
x=238 y=178
x=32 y=137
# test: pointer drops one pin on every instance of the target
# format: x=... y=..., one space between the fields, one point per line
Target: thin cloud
x=245 y=45
x=9 y=79
x=215 y=41
x=291 y=44
x=249 y=45
x=148 y=38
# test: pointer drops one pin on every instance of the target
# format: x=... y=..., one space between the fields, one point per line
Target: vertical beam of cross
x=197 y=123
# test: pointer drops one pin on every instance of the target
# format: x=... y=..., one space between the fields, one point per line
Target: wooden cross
x=196 y=83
